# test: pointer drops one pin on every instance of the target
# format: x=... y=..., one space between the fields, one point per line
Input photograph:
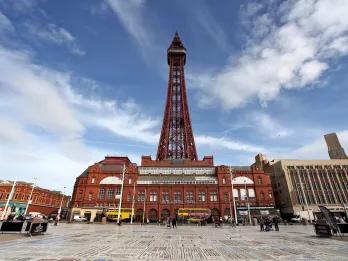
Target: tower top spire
x=176 y=48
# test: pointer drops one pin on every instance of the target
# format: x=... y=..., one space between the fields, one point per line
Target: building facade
x=300 y=186
x=157 y=189
x=44 y=201
x=176 y=179
x=334 y=147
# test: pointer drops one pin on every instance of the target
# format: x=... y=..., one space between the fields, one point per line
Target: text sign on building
x=176 y=171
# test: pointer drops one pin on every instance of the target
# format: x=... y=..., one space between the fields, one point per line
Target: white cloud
x=43 y=122
x=5 y=24
x=35 y=96
x=283 y=52
x=316 y=149
x=265 y=124
x=226 y=143
x=11 y=132
x=130 y=14
x=56 y=35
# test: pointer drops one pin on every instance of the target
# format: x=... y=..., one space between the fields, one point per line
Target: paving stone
x=95 y=242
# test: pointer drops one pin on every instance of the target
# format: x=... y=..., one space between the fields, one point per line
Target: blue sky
x=84 y=79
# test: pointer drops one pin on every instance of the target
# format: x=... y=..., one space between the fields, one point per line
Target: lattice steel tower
x=176 y=141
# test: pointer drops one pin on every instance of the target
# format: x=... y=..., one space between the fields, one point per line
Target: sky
x=80 y=80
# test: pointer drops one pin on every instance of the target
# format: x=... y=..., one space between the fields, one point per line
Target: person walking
x=168 y=222
x=275 y=221
x=174 y=222
x=262 y=224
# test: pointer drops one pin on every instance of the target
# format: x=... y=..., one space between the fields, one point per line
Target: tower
x=176 y=140
x=334 y=147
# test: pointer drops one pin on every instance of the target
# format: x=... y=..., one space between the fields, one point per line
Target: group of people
x=267 y=222
x=171 y=222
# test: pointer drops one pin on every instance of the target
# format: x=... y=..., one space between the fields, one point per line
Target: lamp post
x=120 y=203
x=133 y=203
x=305 y=200
x=8 y=200
x=247 y=200
x=234 y=203
x=60 y=207
x=30 y=196
x=144 y=208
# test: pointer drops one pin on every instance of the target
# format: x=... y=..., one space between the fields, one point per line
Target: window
x=90 y=196
x=189 y=197
x=225 y=196
x=243 y=195
x=110 y=193
x=129 y=197
x=270 y=194
x=153 y=196
x=177 y=197
x=165 y=197
x=262 y=196
x=93 y=180
x=224 y=181
x=201 y=196
x=130 y=181
x=16 y=196
x=213 y=196
x=1 y=195
x=259 y=180
x=101 y=193
x=80 y=196
x=235 y=193
x=141 y=196
x=251 y=193
x=118 y=191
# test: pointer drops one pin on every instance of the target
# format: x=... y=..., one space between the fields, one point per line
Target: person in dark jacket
x=276 y=221
x=174 y=222
x=262 y=224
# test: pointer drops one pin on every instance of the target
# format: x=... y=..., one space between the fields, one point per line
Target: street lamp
x=30 y=196
x=133 y=202
x=61 y=204
x=247 y=200
x=120 y=203
x=234 y=203
x=8 y=199
x=305 y=200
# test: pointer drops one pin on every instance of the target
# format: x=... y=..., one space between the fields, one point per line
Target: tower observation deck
x=176 y=140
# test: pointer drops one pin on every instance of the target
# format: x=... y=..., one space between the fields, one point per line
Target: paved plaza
x=153 y=242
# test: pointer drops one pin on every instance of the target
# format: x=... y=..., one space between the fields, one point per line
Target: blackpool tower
x=176 y=140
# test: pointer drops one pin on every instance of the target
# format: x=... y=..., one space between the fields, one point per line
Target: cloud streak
x=57 y=35
x=130 y=14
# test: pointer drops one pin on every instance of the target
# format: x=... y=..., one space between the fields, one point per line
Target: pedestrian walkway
x=153 y=242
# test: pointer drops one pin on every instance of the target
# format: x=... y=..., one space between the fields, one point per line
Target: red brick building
x=45 y=201
x=176 y=178
x=161 y=187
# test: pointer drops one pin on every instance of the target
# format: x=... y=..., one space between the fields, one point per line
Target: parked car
x=79 y=218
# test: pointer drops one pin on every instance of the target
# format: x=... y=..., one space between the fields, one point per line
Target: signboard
x=264 y=212
x=322 y=230
x=328 y=217
x=243 y=212
x=38 y=228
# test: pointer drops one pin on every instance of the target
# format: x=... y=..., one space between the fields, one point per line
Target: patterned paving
x=152 y=242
